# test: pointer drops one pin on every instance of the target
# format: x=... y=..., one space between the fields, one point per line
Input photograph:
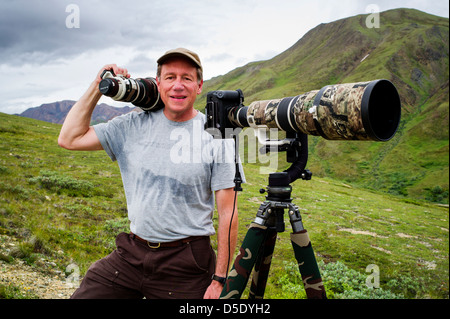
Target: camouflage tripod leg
x=258 y=247
x=238 y=277
x=262 y=266
x=307 y=265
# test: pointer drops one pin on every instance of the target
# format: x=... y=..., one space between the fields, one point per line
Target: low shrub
x=341 y=282
x=63 y=184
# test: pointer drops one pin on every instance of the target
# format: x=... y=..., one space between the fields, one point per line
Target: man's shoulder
x=201 y=115
x=137 y=116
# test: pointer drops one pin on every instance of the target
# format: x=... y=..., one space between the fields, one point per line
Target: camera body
x=220 y=108
x=140 y=92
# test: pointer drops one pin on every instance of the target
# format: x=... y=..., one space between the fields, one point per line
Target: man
x=169 y=191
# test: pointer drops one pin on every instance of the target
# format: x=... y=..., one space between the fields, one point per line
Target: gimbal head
x=279 y=189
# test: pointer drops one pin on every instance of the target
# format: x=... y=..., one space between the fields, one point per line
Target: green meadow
x=68 y=207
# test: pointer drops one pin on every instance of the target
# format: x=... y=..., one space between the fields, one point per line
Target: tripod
x=259 y=242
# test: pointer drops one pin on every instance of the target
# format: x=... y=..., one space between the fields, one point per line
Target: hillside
x=56 y=112
x=411 y=49
x=60 y=208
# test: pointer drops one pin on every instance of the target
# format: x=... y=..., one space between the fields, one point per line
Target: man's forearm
x=227 y=239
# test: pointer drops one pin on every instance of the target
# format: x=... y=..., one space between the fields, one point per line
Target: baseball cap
x=192 y=56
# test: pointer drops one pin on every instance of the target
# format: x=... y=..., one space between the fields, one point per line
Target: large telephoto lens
x=352 y=111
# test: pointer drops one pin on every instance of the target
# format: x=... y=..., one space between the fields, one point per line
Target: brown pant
x=134 y=270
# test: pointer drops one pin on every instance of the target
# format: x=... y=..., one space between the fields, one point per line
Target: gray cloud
x=37 y=29
x=141 y=63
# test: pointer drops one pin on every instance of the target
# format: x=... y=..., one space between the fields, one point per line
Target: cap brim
x=187 y=56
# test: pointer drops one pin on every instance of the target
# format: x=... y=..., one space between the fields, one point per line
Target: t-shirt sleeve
x=112 y=135
x=224 y=167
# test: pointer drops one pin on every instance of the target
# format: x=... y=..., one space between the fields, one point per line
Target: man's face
x=178 y=87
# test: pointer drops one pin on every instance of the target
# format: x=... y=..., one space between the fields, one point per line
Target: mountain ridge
x=56 y=112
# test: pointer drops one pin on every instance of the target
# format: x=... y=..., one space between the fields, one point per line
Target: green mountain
x=410 y=49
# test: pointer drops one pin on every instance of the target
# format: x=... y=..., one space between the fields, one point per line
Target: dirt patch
x=361 y=232
x=35 y=282
x=381 y=249
x=402 y=235
x=50 y=283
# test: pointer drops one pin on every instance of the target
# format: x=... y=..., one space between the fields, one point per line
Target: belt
x=172 y=244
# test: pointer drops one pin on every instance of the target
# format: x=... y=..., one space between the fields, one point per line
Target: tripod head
x=296 y=148
x=271 y=212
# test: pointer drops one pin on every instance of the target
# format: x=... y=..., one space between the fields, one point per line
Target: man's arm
x=76 y=132
x=226 y=237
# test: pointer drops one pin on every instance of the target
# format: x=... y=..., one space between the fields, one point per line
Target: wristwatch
x=222 y=280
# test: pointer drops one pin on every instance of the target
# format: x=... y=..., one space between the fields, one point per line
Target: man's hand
x=214 y=290
x=114 y=68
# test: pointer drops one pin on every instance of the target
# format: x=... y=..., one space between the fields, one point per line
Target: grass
x=11 y=291
x=65 y=197
x=69 y=206
x=358 y=227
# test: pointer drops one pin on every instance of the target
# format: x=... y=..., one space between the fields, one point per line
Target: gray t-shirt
x=169 y=172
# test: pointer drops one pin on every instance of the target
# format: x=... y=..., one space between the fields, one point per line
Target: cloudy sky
x=51 y=50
